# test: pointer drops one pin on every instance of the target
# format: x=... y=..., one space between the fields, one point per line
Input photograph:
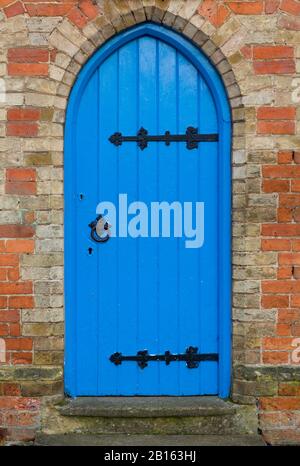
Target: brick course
x=255 y=47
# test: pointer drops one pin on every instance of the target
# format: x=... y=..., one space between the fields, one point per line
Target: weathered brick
x=275 y=357
x=23 y=114
x=27 y=55
x=276 y=127
x=276 y=186
x=16 y=288
x=276 y=245
x=18 y=344
x=284 y=403
x=214 y=12
x=276 y=301
x=289 y=259
x=20 y=246
x=27 y=69
x=89 y=8
x=275 y=171
x=272 y=52
x=271 y=6
x=16 y=231
x=289 y=23
x=48 y=9
x=14 y=9
x=9 y=316
x=20 y=174
x=285 y=157
x=63 y=44
x=22 y=357
x=20 y=302
x=289 y=389
x=275 y=67
x=72 y=33
x=276 y=113
x=246 y=7
x=77 y=17
x=290 y=6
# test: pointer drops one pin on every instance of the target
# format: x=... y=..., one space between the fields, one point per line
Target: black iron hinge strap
x=191 y=357
x=191 y=137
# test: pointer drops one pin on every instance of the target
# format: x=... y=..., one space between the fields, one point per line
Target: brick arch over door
x=71 y=58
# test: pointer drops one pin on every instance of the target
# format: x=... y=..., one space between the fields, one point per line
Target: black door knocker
x=99 y=226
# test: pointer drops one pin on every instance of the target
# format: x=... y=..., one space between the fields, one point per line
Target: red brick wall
x=282 y=293
x=252 y=43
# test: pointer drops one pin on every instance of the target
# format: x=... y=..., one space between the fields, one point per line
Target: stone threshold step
x=147 y=406
x=148 y=440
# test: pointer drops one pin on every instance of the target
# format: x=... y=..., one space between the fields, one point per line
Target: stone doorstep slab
x=147 y=406
x=148 y=440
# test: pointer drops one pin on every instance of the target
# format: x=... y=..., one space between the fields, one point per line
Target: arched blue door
x=148 y=311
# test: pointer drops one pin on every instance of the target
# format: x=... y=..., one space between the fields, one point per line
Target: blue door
x=147 y=292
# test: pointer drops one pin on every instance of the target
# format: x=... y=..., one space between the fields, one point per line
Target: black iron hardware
x=191 y=357
x=191 y=137
x=99 y=225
